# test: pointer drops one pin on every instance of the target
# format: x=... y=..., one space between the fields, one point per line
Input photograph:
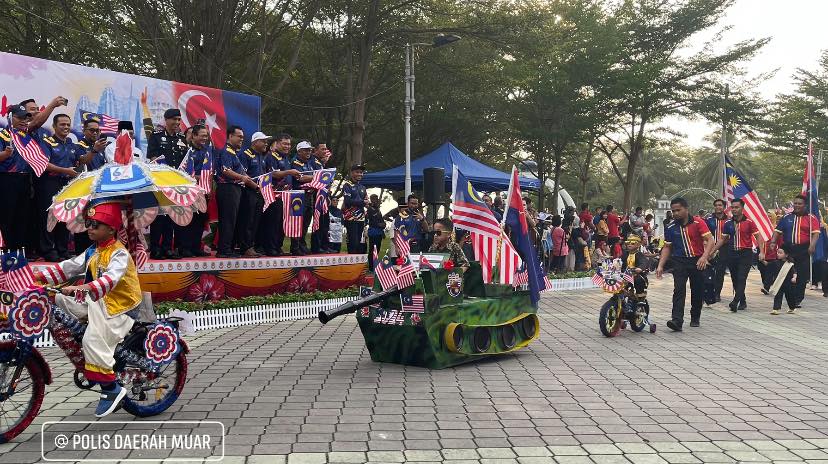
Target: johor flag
x=424 y=264
x=107 y=124
x=753 y=206
x=468 y=210
x=810 y=188
x=515 y=218
x=292 y=207
x=216 y=107
x=266 y=187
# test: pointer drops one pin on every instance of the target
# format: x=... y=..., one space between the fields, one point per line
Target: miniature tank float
x=448 y=317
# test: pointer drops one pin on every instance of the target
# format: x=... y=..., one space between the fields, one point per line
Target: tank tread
x=484 y=340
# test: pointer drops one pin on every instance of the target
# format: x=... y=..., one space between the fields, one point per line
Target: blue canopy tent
x=484 y=178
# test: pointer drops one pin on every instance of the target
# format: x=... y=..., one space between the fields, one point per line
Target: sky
x=797 y=29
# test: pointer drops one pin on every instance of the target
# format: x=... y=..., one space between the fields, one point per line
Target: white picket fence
x=262 y=314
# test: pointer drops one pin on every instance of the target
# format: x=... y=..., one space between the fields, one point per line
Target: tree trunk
x=557 y=179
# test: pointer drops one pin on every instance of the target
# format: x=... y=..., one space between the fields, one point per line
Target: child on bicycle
x=636 y=261
x=110 y=291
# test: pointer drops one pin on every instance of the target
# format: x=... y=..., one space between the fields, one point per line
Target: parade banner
x=123 y=97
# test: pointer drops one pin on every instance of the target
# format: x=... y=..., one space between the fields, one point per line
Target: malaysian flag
x=754 y=210
x=401 y=238
x=187 y=164
x=322 y=179
x=412 y=303
x=30 y=150
x=509 y=261
x=405 y=276
x=205 y=176
x=320 y=207
x=468 y=210
x=292 y=206
x=598 y=279
x=266 y=186
x=521 y=277
x=485 y=251
x=384 y=271
x=547 y=284
x=108 y=124
x=19 y=276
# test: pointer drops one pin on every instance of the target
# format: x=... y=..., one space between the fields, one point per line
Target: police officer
x=272 y=226
x=230 y=176
x=250 y=207
x=714 y=274
x=188 y=237
x=15 y=183
x=170 y=144
x=63 y=156
x=320 y=240
x=354 y=201
x=303 y=164
x=39 y=118
x=93 y=146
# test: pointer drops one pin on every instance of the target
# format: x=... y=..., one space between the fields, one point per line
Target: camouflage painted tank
x=447 y=318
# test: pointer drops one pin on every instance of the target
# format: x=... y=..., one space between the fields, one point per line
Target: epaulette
x=159 y=131
x=83 y=144
x=249 y=153
x=296 y=162
x=230 y=150
x=51 y=141
x=348 y=182
x=4 y=134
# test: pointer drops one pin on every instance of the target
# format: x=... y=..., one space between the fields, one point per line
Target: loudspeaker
x=434 y=185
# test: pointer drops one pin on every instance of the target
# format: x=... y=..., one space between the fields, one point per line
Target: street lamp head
x=444 y=39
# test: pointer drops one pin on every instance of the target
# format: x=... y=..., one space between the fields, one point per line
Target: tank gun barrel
x=353 y=306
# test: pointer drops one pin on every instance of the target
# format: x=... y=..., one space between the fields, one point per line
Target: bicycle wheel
x=158 y=393
x=609 y=320
x=639 y=319
x=18 y=410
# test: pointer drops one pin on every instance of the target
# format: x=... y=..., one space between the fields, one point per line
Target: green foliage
x=571 y=275
x=276 y=298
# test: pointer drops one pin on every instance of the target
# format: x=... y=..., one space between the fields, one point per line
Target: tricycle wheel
x=18 y=406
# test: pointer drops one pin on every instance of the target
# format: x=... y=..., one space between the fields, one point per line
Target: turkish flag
x=196 y=102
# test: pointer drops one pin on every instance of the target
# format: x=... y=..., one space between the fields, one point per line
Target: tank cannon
x=353 y=306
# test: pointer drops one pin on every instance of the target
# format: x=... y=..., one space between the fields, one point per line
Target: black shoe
x=52 y=257
x=187 y=254
x=718 y=299
x=230 y=255
x=155 y=254
x=765 y=291
x=299 y=252
x=170 y=254
x=733 y=307
x=742 y=307
x=201 y=254
x=674 y=326
x=273 y=253
x=694 y=323
x=332 y=251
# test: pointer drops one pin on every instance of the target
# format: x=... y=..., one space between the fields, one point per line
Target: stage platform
x=211 y=279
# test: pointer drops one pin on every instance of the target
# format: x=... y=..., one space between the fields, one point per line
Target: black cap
x=19 y=111
x=124 y=125
x=358 y=167
x=172 y=113
x=27 y=101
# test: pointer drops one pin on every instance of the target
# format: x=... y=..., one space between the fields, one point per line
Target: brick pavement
x=746 y=387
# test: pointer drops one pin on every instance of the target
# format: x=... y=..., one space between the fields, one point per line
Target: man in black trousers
x=687 y=243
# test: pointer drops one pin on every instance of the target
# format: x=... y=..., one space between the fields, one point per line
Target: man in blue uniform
x=354 y=201
x=93 y=145
x=272 y=228
x=39 y=118
x=188 y=237
x=167 y=146
x=230 y=176
x=302 y=163
x=320 y=241
x=250 y=206
x=15 y=183
x=63 y=156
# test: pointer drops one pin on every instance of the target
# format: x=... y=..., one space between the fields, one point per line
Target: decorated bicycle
x=625 y=305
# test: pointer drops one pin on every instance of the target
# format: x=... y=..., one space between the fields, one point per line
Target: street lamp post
x=438 y=41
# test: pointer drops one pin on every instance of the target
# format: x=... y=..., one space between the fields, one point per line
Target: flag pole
x=723 y=154
x=809 y=166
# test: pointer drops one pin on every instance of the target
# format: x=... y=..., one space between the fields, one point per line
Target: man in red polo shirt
x=613 y=226
x=800 y=231
x=738 y=235
x=687 y=243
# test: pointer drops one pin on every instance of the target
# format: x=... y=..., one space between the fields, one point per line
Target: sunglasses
x=440 y=232
x=93 y=130
x=92 y=224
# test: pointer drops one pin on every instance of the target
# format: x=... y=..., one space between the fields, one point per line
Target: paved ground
x=745 y=387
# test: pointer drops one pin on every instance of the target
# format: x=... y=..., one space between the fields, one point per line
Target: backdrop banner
x=123 y=96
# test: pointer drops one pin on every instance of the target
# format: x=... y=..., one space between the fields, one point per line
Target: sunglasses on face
x=92 y=224
x=93 y=130
x=440 y=232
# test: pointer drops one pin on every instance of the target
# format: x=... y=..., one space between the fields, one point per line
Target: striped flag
x=322 y=179
x=30 y=150
x=485 y=250
x=509 y=261
x=320 y=207
x=19 y=276
x=401 y=243
x=521 y=277
x=205 y=176
x=598 y=279
x=292 y=207
x=547 y=284
x=412 y=303
x=108 y=124
x=266 y=186
x=384 y=271
x=468 y=210
x=739 y=188
x=405 y=276
x=187 y=164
